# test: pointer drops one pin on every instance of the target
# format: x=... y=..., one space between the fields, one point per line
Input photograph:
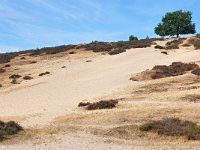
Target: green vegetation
x=176 y=23
x=133 y=38
x=14 y=80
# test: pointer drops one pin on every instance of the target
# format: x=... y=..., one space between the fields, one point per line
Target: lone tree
x=176 y=23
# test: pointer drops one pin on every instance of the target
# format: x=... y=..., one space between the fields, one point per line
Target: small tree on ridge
x=176 y=23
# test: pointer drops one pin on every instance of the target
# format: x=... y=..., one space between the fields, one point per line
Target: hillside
x=51 y=82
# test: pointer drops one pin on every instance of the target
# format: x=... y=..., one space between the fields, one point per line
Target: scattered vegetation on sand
x=162 y=71
x=9 y=128
x=173 y=127
x=2 y=70
x=27 y=77
x=104 y=104
x=196 y=71
x=174 y=44
x=159 y=47
x=45 y=73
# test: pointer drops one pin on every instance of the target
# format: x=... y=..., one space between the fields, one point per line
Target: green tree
x=133 y=38
x=176 y=23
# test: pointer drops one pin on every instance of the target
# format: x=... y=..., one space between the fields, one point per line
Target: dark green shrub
x=133 y=38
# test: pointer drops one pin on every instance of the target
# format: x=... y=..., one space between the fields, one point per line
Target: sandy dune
x=43 y=99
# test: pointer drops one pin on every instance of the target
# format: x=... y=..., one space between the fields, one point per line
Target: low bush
x=174 y=44
x=102 y=105
x=186 y=45
x=15 y=76
x=163 y=52
x=45 y=73
x=83 y=104
x=159 y=47
x=1 y=85
x=9 y=128
x=198 y=35
x=196 y=71
x=117 y=51
x=27 y=77
x=133 y=38
x=173 y=127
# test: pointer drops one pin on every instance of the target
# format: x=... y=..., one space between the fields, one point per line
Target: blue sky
x=26 y=24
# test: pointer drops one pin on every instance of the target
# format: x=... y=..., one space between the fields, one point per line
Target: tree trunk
x=177 y=35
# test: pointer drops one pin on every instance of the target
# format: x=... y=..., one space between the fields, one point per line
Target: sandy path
x=58 y=94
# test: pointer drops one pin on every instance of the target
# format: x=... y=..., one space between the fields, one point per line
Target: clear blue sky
x=26 y=24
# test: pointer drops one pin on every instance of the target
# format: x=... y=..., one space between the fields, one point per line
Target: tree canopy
x=176 y=23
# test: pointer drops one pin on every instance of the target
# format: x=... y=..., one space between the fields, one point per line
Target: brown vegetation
x=159 y=47
x=195 y=42
x=9 y=128
x=45 y=73
x=163 y=52
x=174 y=44
x=15 y=76
x=27 y=77
x=192 y=98
x=173 y=127
x=162 y=71
x=196 y=71
x=108 y=104
x=83 y=104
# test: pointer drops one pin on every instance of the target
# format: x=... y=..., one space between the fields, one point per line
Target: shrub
x=72 y=52
x=173 y=127
x=174 y=44
x=27 y=78
x=15 y=76
x=9 y=128
x=45 y=73
x=102 y=105
x=14 y=80
x=83 y=104
x=133 y=38
x=159 y=47
x=196 y=72
x=163 y=52
x=1 y=85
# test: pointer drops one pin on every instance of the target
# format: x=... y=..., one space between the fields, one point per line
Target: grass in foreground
x=173 y=127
